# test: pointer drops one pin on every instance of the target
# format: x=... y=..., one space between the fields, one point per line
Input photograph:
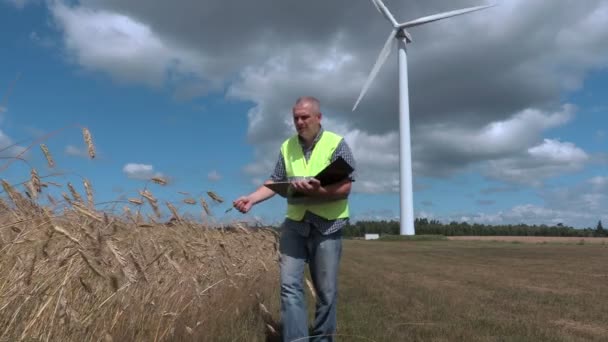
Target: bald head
x=307 y=117
x=309 y=102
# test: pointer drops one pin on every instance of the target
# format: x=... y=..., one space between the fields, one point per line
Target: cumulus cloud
x=127 y=49
x=371 y=215
x=484 y=87
x=534 y=214
x=214 y=176
x=8 y=147
x=140 y=171
x=538 y=163
x=580 y=205
x=72 y=150
x=443 y=148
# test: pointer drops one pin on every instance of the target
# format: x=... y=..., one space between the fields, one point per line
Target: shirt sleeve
x=344 y=151
x=279 y=174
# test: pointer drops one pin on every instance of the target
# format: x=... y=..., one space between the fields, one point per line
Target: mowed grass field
x=472 y=291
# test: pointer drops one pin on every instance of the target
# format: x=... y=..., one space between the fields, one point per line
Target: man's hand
x=243 y=204
x=308 y=186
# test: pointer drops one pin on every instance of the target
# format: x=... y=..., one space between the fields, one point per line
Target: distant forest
x=424 y=226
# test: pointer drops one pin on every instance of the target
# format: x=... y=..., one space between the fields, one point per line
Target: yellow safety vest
x=296 y=166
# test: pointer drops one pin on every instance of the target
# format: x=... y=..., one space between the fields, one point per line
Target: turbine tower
x=400 y=36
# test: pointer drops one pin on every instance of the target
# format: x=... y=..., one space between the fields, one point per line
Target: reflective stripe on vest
x=297 y=167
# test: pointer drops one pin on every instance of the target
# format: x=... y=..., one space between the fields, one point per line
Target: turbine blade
x=435 y=17
x=375 y=3
x=386 y=50
x=384 y=11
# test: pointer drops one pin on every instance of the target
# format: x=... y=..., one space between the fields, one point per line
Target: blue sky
x=521 y=139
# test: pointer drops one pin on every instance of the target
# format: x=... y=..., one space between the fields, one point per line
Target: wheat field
x=72 y=272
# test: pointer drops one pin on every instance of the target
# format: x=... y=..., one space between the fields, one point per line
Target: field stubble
x=474 y=291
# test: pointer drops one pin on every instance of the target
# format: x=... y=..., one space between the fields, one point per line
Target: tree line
x=425 y=226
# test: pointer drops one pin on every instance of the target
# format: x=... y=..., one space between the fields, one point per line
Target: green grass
x=471 y=291
x=412 y=238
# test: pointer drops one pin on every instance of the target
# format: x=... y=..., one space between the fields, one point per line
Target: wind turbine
x=399 y=35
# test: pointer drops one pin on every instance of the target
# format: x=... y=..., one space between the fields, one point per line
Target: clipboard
x=332 y=173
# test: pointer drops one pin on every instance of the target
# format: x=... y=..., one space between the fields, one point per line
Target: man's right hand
x=243 y=204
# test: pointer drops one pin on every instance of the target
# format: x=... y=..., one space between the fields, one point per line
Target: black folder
x=335 y=172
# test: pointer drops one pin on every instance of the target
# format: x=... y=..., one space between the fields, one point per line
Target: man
x=311 y=232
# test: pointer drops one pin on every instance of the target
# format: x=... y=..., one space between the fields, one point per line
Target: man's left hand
x=307 y=186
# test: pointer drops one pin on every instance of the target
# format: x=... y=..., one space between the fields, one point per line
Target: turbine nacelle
x=402 y=33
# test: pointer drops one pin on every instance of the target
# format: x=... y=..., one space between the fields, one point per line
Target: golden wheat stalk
x=31 y=191
x=74 y=193
x=173 y=263
x=90 y=264
x=89 y=141
x=47 y=155
x=4 y=206
x=147 y=195
x=152 y=201
x=14 y=196
x=67 y=198
x=136 y=201
x=215 y=197
x=67 y=234
x=86 y=212
x=138 y=266
x=35 y=181
x=154 y=206
x=122 y=261
x=51 y=200
x=173 y=211
x=311 y=288
x=89 y=191
x=159 y=180
x=205 y=206
x=191 y=201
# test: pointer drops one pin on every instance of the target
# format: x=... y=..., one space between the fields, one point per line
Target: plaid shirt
x=311 y=220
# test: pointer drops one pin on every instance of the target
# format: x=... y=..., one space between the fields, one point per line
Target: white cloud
x=8 y=149
x=214 y=176
x=529 y=214
x=122 y=46
x=599 y=182
x=549 y=159
x=76 y=152
x=489 y=110
x=579 y=205
x=140 y=171
x=371 y=215
x=454 y=146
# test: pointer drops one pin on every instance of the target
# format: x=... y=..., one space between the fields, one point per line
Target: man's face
x=306 y=120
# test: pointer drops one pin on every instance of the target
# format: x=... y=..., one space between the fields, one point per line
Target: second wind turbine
x=399 y=35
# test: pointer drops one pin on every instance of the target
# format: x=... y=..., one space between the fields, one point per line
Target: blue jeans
x=322 y=253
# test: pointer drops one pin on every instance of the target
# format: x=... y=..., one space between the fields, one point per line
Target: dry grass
x=473 y=291
x=533 y=239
